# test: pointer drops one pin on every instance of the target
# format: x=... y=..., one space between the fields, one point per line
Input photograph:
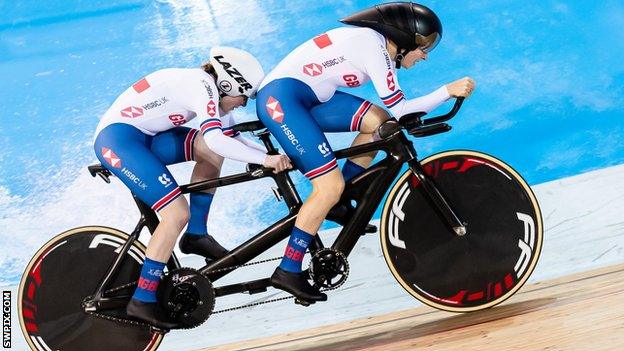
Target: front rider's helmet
x=238 y=72
x=409 y=25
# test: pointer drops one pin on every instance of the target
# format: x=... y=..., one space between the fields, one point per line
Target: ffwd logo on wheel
x=526 y=243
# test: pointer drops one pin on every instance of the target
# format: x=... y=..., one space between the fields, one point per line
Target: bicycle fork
x=432 y=192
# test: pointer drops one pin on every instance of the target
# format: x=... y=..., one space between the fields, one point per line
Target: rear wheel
x=61 y=275
x=471 y=272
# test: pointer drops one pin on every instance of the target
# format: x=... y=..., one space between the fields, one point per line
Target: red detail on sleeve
x=141 y=85
x=322 y=41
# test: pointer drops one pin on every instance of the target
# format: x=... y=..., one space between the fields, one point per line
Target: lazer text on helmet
x=234 y=73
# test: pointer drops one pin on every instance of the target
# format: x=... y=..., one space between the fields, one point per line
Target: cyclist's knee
x=176 y=213
x=373 y=119
x=329 y=187
x=207 y=158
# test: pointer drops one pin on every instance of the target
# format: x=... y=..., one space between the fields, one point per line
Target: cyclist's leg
x=283 y=106
x=345 y=112
x=124 y=150
x=302 y=139
x=183 y=144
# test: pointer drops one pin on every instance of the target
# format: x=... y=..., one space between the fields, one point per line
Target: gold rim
x=54 y=241
x=539 y=231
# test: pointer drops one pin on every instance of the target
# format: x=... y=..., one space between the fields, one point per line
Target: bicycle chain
x=143 y=324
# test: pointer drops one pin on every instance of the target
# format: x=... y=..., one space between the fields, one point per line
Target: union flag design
x=141 y=86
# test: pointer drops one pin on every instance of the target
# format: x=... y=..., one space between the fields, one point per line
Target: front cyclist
x=142 y=132
x=298 y=101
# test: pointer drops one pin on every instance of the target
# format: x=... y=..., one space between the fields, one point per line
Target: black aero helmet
x=409 y=25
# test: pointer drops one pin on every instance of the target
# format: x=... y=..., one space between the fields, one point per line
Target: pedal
x=304 y=303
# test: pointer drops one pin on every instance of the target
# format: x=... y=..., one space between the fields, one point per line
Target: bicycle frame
x=366 y=189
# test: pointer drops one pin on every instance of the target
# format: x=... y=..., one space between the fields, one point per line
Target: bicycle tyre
x=67 y=269
x=462 y=273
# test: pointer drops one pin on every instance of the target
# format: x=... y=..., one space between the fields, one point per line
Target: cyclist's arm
x=380 y=69
x=228 y=122
x=250 y=143
x=232 y=148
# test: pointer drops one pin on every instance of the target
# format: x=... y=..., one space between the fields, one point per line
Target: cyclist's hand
x=277 y=162
x=461 y=87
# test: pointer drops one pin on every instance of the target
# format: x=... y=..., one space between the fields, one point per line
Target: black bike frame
x=366 y=190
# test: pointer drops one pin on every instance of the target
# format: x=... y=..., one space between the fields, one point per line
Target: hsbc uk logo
x=111 y=157
x=208 y=88
x=136 y=180
x=156 y=103
x=390 y=81
x=313 y=69
x=132 y=112
x=275 y=110
x=293 y=139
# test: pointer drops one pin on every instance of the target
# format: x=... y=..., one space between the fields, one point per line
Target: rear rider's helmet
x=238 y=72
x=409 y=25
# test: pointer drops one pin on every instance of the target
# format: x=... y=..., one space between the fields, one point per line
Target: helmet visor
x=427 y=43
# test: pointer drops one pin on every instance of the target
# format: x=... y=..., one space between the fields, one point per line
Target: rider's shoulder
x=357 y=34
x=192 y=78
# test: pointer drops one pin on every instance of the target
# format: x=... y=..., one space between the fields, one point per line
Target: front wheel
x=66 y=270
x=471 y=272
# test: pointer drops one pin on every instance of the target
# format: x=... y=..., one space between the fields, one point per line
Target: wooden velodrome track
x=584 y=311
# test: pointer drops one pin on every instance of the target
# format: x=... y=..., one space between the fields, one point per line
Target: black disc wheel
x=61 y=275
x=481 y=268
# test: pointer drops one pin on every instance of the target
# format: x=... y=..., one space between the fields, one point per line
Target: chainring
x=329 y=269
x=186 y=296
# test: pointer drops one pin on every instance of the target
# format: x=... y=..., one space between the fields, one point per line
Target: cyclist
x=142 y=132
x=298 y=101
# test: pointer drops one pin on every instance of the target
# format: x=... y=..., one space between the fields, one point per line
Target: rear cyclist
x=298 y=101
x=142 y=132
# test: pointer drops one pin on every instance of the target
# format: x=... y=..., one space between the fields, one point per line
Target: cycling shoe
x=148 y=312
x=204 y=245
x=297 y=284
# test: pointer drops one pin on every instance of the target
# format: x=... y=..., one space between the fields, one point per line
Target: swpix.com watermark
x=6 y=319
